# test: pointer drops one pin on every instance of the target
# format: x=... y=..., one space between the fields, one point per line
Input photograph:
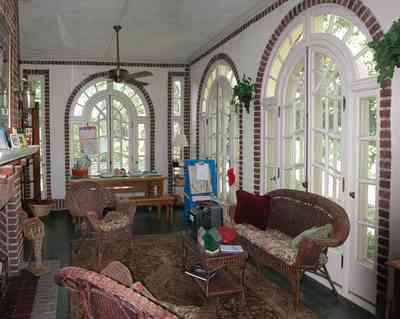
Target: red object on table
x=228 y=234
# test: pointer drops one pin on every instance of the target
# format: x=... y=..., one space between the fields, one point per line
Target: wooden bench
x=166 y=201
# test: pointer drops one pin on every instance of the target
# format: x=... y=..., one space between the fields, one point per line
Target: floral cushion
x=187 y=312
x=113 y=220
x=271 y=240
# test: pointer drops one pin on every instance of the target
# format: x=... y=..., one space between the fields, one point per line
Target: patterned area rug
x=155 y=260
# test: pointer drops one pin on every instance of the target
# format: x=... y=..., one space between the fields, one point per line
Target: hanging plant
x=387 y=53
x=243 y=93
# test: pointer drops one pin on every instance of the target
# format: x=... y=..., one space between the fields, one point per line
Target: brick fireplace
x=11 y=236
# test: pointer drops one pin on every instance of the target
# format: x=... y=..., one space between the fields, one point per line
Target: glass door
x=363 y=264
x=326 y=145
x=295 y=130
x=220 y=132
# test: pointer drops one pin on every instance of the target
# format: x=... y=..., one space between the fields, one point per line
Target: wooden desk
x=151 y=186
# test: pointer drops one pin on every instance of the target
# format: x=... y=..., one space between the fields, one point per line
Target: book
x=231 y=249
x=200 y=273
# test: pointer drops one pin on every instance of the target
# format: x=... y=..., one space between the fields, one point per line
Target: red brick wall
x=9 y=10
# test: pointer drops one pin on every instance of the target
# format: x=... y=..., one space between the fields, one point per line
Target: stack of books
x=200 y=273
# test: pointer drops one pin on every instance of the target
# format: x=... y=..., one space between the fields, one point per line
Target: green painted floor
x=60 y=230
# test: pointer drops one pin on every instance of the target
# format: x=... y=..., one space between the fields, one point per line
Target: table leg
x=159 y=211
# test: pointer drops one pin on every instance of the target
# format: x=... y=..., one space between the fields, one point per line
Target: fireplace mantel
x=11 y=155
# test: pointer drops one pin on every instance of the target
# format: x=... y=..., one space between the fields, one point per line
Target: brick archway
x=218 y=57
x=384 y=187
x=71 y=99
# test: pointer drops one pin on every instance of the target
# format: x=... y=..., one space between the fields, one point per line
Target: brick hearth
x=11 y=237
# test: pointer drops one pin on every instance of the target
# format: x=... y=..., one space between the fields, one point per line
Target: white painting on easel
x=88 y=139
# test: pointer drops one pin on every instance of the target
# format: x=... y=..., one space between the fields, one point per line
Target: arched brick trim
x=46 y=104
x=71 y=99
x=384 y=188
x=229 y=61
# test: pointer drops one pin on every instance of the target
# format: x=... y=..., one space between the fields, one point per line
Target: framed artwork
x=3 y=140
x=15 y=142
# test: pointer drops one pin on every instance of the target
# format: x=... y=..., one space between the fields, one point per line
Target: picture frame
x=15 y=141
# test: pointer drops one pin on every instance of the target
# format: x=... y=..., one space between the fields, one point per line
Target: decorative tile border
x=71 y=99
x=103 y=63
x=171 y=75
x=375 y=30
x=187 y=111
x=224 y=57
x=47 y=152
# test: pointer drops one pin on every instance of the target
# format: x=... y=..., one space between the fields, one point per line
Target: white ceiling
x=153 y=30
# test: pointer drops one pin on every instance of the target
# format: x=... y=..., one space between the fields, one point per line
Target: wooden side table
x=224 y=283
x=395 y=311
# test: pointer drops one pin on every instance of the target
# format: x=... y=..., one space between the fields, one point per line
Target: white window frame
x=109 y=94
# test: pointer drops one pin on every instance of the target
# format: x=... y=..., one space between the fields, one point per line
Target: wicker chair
x=292 y=212
x=84 y=196
x=105 y=295
x=89 y=199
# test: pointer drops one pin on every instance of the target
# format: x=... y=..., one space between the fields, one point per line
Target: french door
x=304 y=135
x=315 y=142
x=219 y=132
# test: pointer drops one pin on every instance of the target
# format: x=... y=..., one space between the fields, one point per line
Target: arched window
x=121 y=118
x=219 y=122
x=321 y=127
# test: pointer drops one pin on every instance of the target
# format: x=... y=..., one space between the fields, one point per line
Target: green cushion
x=209 y=243
x=322 y=232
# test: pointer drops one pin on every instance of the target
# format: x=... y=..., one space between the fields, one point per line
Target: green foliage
x=243 y=93
x=387 y=52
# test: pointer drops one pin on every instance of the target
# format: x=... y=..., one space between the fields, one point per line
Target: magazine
x=231 y=249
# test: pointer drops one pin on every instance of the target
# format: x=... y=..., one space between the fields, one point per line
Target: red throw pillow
x=252 y=209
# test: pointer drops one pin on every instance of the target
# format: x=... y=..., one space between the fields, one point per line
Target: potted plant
x=243 y=93
x=387 y=52
x=81 y=166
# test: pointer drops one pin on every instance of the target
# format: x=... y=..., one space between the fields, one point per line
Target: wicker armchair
x=292 y=212
x=105 y=295
x=89 y=199
x=84 y=196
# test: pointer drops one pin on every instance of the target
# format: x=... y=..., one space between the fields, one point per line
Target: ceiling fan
x=121 y=75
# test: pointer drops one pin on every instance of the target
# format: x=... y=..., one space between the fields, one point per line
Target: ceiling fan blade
x=135 y=82
x=140 y=74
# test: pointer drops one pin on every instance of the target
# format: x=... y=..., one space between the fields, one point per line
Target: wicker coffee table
x=225 y=282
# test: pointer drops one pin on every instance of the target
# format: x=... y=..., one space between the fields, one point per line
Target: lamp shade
x=180 y=140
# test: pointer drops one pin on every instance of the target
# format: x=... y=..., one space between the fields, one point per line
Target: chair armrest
x=93 y=219
x=118 y=272
x=309 y=252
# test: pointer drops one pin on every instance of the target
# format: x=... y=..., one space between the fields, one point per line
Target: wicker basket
x=42 y=207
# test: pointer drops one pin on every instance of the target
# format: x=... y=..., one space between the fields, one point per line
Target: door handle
x=273 y=179
x=352 y=195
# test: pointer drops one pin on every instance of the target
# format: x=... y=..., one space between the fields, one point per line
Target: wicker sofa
x=292 y=212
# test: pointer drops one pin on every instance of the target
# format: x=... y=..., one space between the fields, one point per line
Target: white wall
x=64 y=78
x=246 y=50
